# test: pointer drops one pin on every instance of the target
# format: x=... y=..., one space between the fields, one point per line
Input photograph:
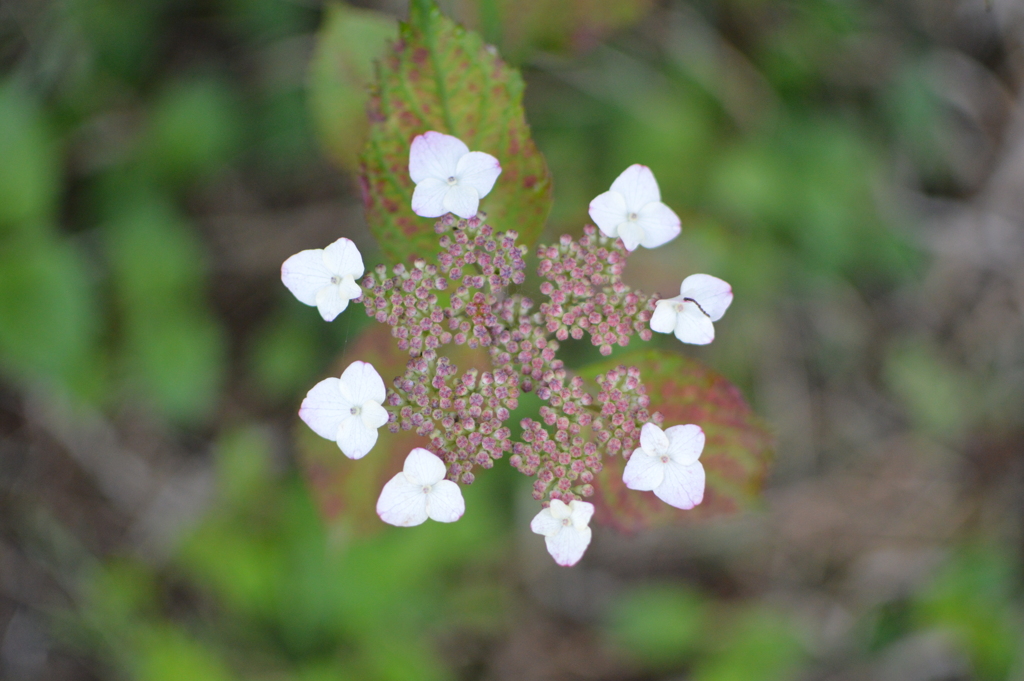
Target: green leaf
x=441 y=77
x=29 y=173
x=658 y=624
x=735 y=457
x=340 y=73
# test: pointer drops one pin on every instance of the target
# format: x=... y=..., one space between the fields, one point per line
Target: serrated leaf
x=340 y=73
x=735 y=457
x=442 y=77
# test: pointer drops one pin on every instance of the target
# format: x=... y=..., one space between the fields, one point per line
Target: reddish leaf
x=735 y=458
x=441 y=77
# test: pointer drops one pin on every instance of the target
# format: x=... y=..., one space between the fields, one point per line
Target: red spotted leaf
x=439 y=76
x=735 y=457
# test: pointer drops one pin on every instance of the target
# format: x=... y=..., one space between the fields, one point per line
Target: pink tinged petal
x=479 y=171
x=638 y=186
x=693 y=326
x=304 y=274
x=343 y=259
x=685 y=443
x=660 y=224
x=462 y=200
x=434 y=154
x=330 y=302
x=402 y=502
x=546 y=524
x=582 y=511
x=373 y=415
x=664 y=318
x=643 y=472
x=569 y=545
x=354 y=437
x=631 y=234
x=324 y=408
x=428 y=198
x=362 y=383
x=445 y=503
x=683 y=486
x=424 y=467
x=653 y=440
x=348 y=288
x=711 y=293
x=608 y=211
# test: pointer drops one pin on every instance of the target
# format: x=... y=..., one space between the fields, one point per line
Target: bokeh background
x=854 y=167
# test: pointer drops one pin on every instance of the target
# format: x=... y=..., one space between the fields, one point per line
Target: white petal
x=343 y=259
x=423 y=467
x=479 y=171
x=362 y=383
x=373 y=415
x=461 y=200
x=305 y=274
x=685 y=443
x=354 y=437
x=683 y=486
x=428 y=198
x=711 y=293
x=653 y=440
x=631 y=234
x=582 y=512
x=643 y=472
x=638 y=186
x=559 y=510
x=402 y=502
x=348 y=288
x=545 y=523
x=693 y=326
x=569 y=545
x=330 y=302
x=445 y=503
x=324 y=408
x=660 y=224
x=434 y=154
x=608 y=211
x=664 y=318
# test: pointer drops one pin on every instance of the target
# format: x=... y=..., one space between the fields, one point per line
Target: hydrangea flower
x=348 y=409
x=565 y=529
x=667 y=464
x=325 y=277
x=420 y=492
x=449 y=177
x=702 y=299
x=632 y=210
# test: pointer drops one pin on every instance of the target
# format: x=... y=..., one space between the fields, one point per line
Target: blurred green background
x=852 y=167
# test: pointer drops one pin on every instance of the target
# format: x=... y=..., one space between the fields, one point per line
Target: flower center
x=426 y=489
x=664 y=458
x=633 y=217
x=335 y=280
x=566 y=522
x=355 y=411
x=452 y=181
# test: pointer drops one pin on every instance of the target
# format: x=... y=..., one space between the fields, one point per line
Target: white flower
x=348 y=409
x=702 y=299
x=632 y=210
x=565 y=529
x=449 y=177
x=420 y=492
x=325 y=277
x=666 y=463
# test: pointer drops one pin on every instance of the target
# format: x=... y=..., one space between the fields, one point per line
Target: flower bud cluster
x=587 y=294
x=463 y=416
x=624 y=407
